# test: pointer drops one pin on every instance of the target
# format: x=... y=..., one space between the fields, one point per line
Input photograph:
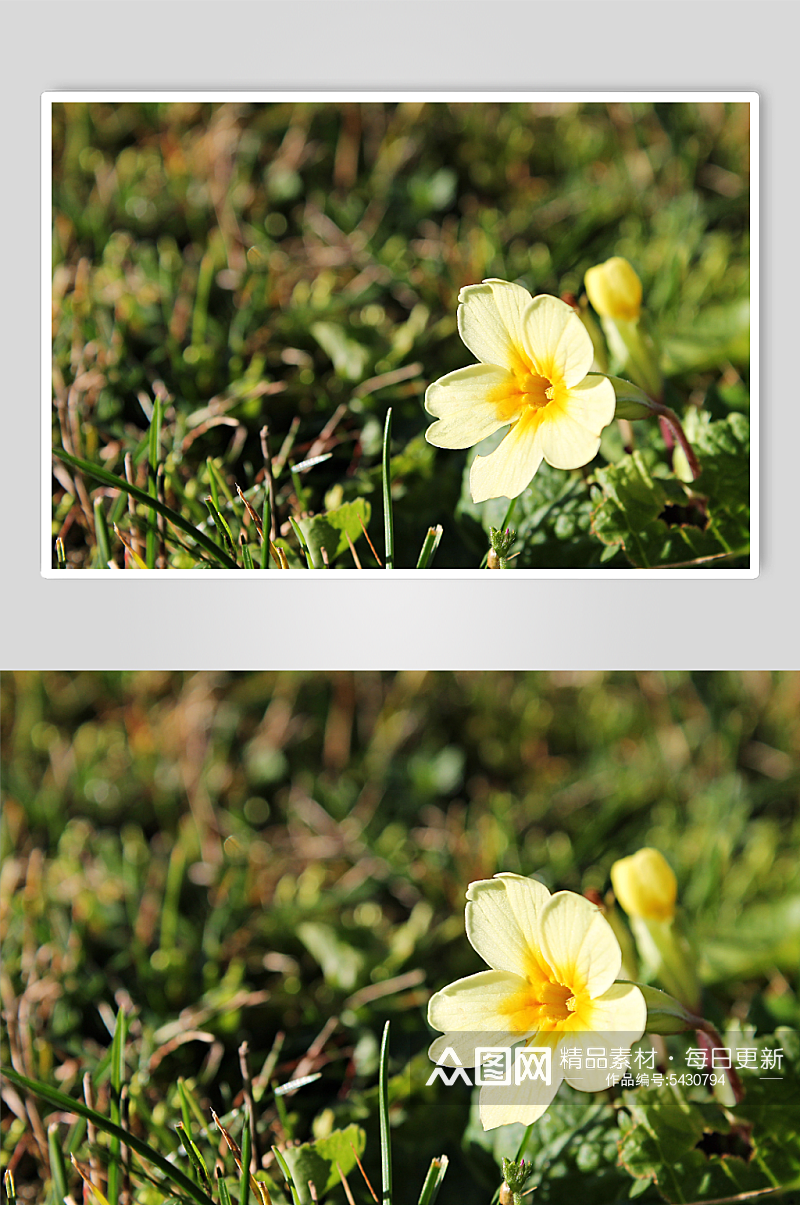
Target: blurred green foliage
x=233 y=857
x=298 y=264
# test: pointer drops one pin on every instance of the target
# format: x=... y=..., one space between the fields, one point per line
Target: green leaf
x=330 y=531
x=317 y=1161
x=657 y=520
x=348 y=357
x=693 y=1150
x=629 y=514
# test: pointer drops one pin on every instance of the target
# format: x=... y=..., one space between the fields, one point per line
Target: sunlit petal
x=491 y=319
x=509 y=468
x=556 y=341
x=579 y=943
x=565 y=444
x=472 y=1004
x=503 y=920
x=470 y=404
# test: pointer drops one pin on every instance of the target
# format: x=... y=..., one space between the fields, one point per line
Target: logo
x=496 y=1065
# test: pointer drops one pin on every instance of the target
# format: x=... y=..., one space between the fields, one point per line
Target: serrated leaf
x=330 y=531
x=629 y=513
x=659 y=521
x=694 y=1150
x=317 y=1161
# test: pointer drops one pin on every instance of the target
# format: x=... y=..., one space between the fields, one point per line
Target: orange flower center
x=543 y=1005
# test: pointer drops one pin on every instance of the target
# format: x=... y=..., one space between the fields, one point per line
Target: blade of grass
x=265 y=533
x=386 y=473
x=58 y=1167
x=433 y=1180
x=101 y=535
x=247 y=559
x=287 y=1175
x=302 y=542
x=119 y=483
x=70 y=1104
x=96 y=1193
x=429 y=546
x=244 y=1180
x=222 y=528
x=115 y=1109
x=10 y=1187
x=383 y=1107
x=61 y=556
x=224 y=1195
x=195 y=1157
x=154 y=457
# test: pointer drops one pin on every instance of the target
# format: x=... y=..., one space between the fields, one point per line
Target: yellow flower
x=614 y=289
x=645 y=885
x=534 y=355
x=554 y=961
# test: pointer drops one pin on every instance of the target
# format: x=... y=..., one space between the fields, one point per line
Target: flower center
x=536 y=391
x=540 y=1006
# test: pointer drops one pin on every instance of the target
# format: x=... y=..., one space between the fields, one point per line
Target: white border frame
x=264 y=97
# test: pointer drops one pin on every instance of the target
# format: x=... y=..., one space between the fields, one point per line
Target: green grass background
x=271 y=263
x=255 y=853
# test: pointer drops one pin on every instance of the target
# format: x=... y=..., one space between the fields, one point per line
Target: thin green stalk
x=154 y=457
x=222 y=527
x=386 y=473
x=71 y=1104
x=302 y=542
x=10 y=1187
x=383 y=1108
x=287 y=1175
x=265 y=516
x=429 y=546
x=61 y=556
x=101 y=535
x=433 y=1180
x=244 y=1183
x=115 y=1104
x=119 y=483
x=58 y=1166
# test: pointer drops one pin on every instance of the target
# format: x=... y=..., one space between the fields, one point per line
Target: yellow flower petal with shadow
x=491 y=318
x=470 y=404
x=509 y=468
x=557 y=344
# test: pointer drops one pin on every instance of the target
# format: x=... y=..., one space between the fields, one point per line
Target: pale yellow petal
x=523 y=1103
x=503 y=922
x=591 y=403
x=470 y=404
x=491 y=320
x=473 y=1004
x=507 y=470
x=557 y=343
x=564 y=443
x=579 y=944
x=613 y=1022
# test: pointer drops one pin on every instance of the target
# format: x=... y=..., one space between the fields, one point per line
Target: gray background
x=503 y=621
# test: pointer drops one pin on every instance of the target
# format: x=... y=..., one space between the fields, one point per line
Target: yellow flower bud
x=614 y=289
x=645 y=885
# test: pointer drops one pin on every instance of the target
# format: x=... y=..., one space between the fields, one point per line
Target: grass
x=241 y=293
x=195 y=862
